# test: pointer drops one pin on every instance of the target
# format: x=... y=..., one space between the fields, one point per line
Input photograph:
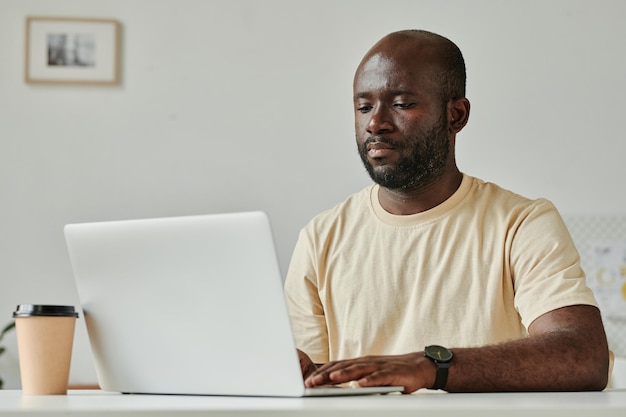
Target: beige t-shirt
x=475 y=270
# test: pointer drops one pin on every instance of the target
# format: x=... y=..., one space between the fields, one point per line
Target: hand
x=306 y=364
x=412 y=371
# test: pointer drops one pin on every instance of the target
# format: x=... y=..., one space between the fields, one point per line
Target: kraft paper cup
x=45 y=335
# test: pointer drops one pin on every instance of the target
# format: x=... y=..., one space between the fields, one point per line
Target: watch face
x=438 y=353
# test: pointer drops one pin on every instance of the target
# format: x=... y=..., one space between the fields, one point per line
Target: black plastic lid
x=28 y=310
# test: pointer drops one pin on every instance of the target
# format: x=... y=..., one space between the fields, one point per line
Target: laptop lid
x=185 y=305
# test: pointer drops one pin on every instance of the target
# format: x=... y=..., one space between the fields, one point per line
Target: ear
x=458 y=114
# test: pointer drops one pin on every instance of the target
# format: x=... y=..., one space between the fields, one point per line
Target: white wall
x=238 y=105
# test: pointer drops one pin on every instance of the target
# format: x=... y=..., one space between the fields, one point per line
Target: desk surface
x=98 y=403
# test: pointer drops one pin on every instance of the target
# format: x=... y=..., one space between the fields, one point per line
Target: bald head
x=419 y=48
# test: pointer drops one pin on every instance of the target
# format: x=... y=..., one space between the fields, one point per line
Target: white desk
x=98 y=403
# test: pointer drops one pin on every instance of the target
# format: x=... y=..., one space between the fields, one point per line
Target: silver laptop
x=188 y=305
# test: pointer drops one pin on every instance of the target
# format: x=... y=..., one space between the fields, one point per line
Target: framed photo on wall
x=72 y=50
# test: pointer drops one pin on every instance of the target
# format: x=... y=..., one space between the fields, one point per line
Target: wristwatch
x=442 y=357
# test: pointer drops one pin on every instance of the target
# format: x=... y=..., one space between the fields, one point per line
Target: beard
x=423 y=161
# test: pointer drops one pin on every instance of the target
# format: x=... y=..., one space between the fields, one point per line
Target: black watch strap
x=442 y=375
x=441 y=357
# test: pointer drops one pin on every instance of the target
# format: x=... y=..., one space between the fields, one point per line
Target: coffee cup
x=45 y=335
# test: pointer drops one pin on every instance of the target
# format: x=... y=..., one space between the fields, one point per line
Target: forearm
x=565 y=351
x=568 y=359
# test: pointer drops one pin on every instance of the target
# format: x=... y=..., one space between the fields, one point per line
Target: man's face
x=401 y=124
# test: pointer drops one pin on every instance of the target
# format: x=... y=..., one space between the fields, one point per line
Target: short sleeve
x=305 y=307
x=545 y=264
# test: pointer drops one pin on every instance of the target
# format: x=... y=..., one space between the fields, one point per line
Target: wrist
x=429 y=371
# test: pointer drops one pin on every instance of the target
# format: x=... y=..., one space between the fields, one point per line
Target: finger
x=377 y=378
x=338 y=372
x=387 y=377
x=350 y=372
x=344 y=364
x=316 y=379
x=322 y=375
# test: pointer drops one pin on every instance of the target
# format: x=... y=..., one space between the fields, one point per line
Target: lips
x=379 y=149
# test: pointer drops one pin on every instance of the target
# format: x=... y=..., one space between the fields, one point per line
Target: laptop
x=188 y=305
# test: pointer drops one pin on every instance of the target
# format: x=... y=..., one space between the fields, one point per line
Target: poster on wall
x=72 y=50
x=607 y=277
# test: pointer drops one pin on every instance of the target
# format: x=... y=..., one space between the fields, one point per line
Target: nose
x=379 y=121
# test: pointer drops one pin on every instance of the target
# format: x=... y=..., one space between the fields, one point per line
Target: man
x=431 y=278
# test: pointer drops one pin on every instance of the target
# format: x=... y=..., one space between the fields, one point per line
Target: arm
x=306 y=364
x=306 y=309
x=566 y=351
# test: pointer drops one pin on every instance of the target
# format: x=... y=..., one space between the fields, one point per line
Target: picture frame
x=72 y=50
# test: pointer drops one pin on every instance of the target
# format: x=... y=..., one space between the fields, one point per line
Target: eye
x=363 y=108
x=403 y=105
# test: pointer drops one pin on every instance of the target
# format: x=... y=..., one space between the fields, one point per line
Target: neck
x=422 y=198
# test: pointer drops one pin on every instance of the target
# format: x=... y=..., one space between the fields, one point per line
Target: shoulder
x=533 y=229
x=502 y=211
x=491 y=198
